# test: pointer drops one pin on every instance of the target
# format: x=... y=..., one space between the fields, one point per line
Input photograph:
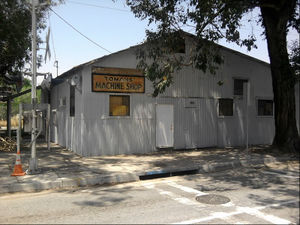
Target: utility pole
x=33 y=166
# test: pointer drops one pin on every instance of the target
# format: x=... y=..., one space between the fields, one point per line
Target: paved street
x=257 y=195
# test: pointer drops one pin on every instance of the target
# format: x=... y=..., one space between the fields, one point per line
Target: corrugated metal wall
x=93 y=132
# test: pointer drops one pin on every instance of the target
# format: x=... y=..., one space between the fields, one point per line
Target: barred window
x=238 y=86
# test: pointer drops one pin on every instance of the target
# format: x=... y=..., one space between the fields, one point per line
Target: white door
x=164 y=126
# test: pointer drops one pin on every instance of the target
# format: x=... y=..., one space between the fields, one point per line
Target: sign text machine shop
x=118 y=83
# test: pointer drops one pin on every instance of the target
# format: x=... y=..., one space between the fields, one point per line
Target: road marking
x=240 y=210
x=269 y=218
x=178 y=198
x=194 y=191
x=218 y=215
x=280 y=175
x=186 y=189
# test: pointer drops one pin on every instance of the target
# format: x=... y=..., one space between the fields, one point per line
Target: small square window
x=225 y=107
x=238 y=86
x=264 y=107
x=119 y=105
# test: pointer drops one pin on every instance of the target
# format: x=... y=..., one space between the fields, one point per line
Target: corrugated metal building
x=103 y=107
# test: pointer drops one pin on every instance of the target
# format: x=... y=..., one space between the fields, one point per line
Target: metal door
x=164 y=126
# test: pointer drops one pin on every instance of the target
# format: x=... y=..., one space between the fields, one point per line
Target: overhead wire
x=98 y=6
x=95 y=43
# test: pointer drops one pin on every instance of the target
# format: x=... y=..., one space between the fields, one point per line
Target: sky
x=110 y=27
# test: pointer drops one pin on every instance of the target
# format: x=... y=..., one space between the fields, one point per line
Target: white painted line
x=177 y=198
x=194 y=191
x=213 y=216
x=186 y=189
x=240 y=210
x=149 y=185
x=228 y=204
x=269 y=218
x=182 y=200
x=281 y=175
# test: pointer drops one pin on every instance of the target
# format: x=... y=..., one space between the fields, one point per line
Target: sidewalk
x=62 y=169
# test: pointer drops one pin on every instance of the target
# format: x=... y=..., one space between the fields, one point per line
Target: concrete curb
x=116 y=178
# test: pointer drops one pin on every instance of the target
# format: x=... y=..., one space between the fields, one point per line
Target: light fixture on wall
x=46 y=83
x=75 y=80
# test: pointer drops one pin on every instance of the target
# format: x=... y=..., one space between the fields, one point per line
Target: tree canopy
x=213 y=20
x=15 y=38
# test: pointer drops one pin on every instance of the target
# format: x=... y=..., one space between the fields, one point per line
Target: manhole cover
x=212 y=199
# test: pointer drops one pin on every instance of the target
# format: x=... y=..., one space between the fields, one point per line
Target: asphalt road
x=255 y=196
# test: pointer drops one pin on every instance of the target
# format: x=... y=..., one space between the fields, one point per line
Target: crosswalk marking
x=186 y=189
x=218 y=215
x=259 y=214
x=194 y=191
x=182 y=200
x=239 y=210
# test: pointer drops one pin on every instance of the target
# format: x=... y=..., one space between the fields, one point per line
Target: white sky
x=114 y=30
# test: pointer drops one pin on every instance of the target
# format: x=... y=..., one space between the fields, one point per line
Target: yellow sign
x=117 y=80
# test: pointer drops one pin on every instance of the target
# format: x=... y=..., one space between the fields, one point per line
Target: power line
x=99 y=6
x=95 y=43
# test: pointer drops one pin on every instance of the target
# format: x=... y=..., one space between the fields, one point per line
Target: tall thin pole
x=8 y=117
x=33 y=160
x=247 y=113
x=19 y=127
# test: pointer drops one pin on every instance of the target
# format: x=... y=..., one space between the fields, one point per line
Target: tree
x=15 y=37
x=26 y=98
x=214 y=20
x=15 y=42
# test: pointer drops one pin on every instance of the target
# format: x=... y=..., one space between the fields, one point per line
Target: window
x=119 y=105
x=175 y=45
x=225 y=107
x=72 y=100
x=238 y=86
x=264 y=107
x=180 y=46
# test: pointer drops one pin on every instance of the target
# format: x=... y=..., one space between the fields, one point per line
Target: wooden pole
x=8 y=117
x=48 y=127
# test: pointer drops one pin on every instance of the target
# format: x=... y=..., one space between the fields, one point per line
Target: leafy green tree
x=15 y=37
x=220 y=19
x=26 y=98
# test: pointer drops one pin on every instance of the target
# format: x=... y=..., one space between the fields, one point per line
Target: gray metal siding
x=93 y=132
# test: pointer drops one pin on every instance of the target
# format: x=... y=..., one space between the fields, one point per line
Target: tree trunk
x=275 y=16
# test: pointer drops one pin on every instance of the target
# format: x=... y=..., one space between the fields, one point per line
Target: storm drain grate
x=161 y=174
x=212 y=199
